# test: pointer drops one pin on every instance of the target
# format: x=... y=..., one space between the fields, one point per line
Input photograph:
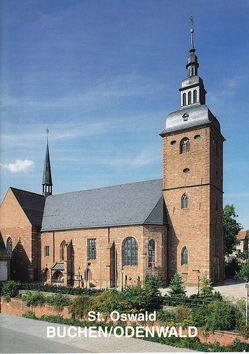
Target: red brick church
x=116 y=236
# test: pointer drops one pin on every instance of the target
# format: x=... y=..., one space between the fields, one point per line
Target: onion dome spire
x=192 y=64
x=47 y=175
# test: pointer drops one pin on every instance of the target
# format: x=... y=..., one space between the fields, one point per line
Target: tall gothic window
x=189 y=97
x=184 y=146
x=62 y=250
x=184 y=256
x=184 y=201
x=184 y=99
x=151 y=253
x=91 y=249
x=9 y=246
x=195 y=96
x=130 y=252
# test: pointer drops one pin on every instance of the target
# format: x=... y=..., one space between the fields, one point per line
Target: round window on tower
x=186 y=170
x=173 y=142
x=197 y=137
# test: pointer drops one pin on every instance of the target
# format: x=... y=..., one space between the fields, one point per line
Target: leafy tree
x=206 y=290
x=176 y=287
x=231 y=228
x=243 y=274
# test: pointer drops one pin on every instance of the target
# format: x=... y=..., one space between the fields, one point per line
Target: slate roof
x=32 y=204
x=196 y=115
x=127 y=204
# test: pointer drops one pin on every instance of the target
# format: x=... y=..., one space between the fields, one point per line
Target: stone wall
x=16 y=307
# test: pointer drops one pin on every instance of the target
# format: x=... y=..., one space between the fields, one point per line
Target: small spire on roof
x=47 y=175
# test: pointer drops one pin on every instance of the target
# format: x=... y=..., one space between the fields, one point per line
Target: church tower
x=193 y=182
x=47 y=175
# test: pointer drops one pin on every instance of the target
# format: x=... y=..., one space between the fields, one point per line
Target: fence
x=175 y=301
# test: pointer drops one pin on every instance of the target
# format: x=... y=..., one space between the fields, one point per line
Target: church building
x=116 y=236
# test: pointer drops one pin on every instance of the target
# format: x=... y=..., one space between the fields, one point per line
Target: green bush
x=58 y=301
x=10 y=289
x=108 y=301
x=206 y=290
x=147 y=298
x=79 y=307
x=67 y=290
x=30 y=315
x=176 y=288
x=243 y=273
x=218 y=315
x=154 y=281
x=183 y=316
x=33 y=298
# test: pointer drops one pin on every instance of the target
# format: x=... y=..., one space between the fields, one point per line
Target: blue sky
x=103 y=74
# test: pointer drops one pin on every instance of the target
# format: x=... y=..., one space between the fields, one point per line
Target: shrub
x=33 y=298
x=67 y=290
x=58 y=301
x=147 y=298
x=176 y=287
x=218 y=315
x=79 y=307
x=10 y=289
x=206 y=290
x=154 y=281
x=30 y=315
x=183 y=315
x=243 y=274
x=108 y=301
x=165 y=316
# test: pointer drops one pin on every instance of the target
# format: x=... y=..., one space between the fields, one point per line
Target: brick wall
x=199 y=227
x=17 y=308
x=15 y=224
x=109 y=242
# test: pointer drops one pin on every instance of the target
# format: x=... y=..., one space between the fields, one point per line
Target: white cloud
x=146 y=157
x=18 y=166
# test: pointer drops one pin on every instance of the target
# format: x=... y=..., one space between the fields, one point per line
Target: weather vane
x=192 y=31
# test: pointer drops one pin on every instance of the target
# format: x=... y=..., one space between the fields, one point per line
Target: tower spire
x=192 y=32
x=192 y=64
x=192 y=91
x=47 y=175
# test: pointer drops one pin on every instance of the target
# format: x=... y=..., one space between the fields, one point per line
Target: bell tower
x=193 y=182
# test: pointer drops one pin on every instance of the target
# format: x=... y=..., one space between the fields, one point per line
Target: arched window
x=62 y=250
x=9 y=246
x=195 y=96
x=184 y=99
x=184 y=256
x=151 y=253
x=184 y=201
x=189 y=97
x=184 y=146
x=130 y=251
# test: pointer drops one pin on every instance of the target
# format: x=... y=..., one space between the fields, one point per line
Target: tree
x=176 y=287
x=231 y=228
x=206 y=290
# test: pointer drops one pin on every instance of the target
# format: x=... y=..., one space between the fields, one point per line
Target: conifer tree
x=176 y=287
